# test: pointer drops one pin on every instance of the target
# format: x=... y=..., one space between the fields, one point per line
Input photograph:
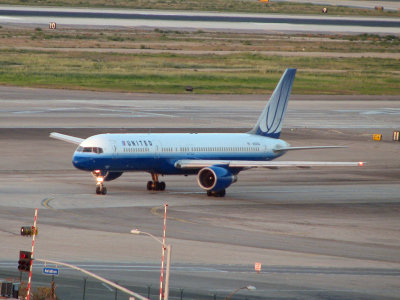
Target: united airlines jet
x=216 y=158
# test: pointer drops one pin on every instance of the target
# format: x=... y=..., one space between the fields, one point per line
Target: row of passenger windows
x=97 y=150
x=167 y=149
x=130 y=150
x=225 y=149
x=211 y=149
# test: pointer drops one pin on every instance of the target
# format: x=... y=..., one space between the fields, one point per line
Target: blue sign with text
x=50 y=271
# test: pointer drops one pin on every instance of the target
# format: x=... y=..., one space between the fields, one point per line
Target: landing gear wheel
x=220 y=193
x=104 y=191
x=101 y=190
x=158 y=186
x=155 y=185
x=162 y=186
x=149 y=185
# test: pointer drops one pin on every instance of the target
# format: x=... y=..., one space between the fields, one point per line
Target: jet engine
x=215 y=178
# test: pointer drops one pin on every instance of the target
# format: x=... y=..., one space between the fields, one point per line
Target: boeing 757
x=216 y=158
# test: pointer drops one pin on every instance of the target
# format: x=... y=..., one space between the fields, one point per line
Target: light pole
x=247 y=287
x=168 y=248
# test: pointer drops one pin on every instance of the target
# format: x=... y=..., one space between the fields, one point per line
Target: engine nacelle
x=108 y=176
x=215 y=178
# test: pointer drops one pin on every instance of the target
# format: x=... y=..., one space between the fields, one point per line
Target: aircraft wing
x=66 y=138
x=198 y=164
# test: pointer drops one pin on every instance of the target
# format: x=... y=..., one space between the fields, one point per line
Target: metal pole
x=84 y=287
x=32 y=252
x=163 y=251
x=166 y=289
x=53 y=288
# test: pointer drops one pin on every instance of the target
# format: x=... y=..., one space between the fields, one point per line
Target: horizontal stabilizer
x=66 y=138
x=307 y=148
x=197 y=164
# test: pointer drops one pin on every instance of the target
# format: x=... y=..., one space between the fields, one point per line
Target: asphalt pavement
x=318 y=233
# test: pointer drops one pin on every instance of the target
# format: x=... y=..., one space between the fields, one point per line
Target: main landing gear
x=220 y=193
x=155 y=185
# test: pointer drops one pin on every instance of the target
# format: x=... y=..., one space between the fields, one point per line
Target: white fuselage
x=157 y=153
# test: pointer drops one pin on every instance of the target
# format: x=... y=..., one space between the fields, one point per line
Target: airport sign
x=50 y=271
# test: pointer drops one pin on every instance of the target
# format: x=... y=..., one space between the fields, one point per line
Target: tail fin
x=270 y=121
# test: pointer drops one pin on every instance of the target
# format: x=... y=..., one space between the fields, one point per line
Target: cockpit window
x=97 y=150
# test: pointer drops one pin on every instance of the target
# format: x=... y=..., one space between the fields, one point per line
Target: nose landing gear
x=155 y=185
x=100 y=188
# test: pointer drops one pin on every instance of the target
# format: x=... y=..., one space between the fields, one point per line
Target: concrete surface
x=319 y=233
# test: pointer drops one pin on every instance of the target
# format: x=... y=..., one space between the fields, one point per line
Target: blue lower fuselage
x=148 y=163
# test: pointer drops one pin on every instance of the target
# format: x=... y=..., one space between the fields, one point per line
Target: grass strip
x=171 y=73
x=158 y=39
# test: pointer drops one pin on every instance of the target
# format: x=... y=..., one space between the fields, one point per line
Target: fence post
x=84 y=287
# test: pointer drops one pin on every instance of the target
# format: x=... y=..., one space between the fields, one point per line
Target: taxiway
x=319 y=233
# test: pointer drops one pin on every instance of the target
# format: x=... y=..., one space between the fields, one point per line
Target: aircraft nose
x=82 y=162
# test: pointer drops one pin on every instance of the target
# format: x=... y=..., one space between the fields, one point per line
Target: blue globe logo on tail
x=271 y=119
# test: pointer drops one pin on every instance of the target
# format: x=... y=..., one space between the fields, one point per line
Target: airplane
x=216 y=158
